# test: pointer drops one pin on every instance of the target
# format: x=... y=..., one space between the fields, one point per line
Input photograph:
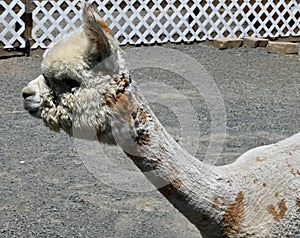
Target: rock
x=227 y=43
x=253 y=42
x=282 y=47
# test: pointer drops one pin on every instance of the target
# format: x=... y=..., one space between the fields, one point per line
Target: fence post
x=27 y=18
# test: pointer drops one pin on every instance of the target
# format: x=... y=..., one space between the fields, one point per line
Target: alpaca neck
x=187 y=183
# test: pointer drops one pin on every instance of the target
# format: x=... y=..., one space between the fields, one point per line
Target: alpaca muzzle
x=32 y=102
x=32 y=97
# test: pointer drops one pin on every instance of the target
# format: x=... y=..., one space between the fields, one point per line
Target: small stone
x=282 y=47
x=227 y=43
x=253 y=42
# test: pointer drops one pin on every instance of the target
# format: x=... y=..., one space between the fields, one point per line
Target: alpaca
x=86 y=86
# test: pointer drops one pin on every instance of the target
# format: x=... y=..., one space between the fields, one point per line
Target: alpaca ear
x=98 y=33
x=105 y=51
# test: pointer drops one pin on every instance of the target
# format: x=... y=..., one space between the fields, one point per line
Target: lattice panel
x=136 y=22
x=210 y=19
x=52 y=19
x=11 y=25
x=272 y=18
x=160 y=21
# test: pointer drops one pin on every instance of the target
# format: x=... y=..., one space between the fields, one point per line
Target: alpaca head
x=80 y=75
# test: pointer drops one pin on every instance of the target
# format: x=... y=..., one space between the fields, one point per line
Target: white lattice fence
x=136 y=22
x=11 y=25
x=160 y=21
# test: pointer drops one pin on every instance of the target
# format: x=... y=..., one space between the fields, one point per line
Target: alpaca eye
x=71 y=83
x=47 y=81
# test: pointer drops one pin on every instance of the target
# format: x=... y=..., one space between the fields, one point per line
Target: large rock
x=227 y=43
x=253 y=42
x=282 y=47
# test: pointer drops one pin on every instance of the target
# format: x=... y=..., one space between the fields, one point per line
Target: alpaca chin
x=33 y=106
x=36 y=113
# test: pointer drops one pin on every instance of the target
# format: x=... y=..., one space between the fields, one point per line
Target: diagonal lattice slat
x=10 y=15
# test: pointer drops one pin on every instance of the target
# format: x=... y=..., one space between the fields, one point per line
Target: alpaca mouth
x=33 y=106
x=36 y=112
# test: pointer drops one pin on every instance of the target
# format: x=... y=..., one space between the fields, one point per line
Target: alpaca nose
x=27 y=92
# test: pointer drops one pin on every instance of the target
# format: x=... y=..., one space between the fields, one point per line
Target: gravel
x=47 y=191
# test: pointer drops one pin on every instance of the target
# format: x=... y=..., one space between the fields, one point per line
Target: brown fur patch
x=123 y=106
x=264 y=185
x=162 y=149
x=125 y=110
x=174 y=171
x=174 y=185
x=155 y=161
x=122 y=84
x=215 y=204
x=116 y=78
x=143 y=137
x=259 y=159
x=278 y=215
x=143 y=116
x=171 y=188
x=298 y=202
x=134 y=113
x=293 y=171
x=233 y=216
x=218 y=201
x=104 y=26
x=110 y=101
x=255 y=180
